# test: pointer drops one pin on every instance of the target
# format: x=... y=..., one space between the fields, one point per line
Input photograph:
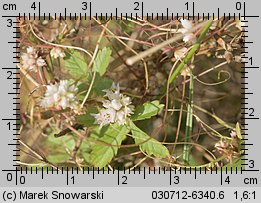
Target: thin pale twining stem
x=133 y=51
x=59 y=45
x=91 y=62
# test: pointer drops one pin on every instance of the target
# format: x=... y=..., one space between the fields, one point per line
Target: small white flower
x=113 y=93
x=187 y=70
x=180 y=53
x=31 y=50
x=121 y=117
x=116 y=107
x=105 y=116
x=57 y=52
x=186 y=30
x=126 y=100
x=31 y=61
x=116 y=104
x=40 y=62
x=186 y=24
x=61 y=96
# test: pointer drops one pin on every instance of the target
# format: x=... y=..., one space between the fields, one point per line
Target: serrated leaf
x=102 y=154
x=147 y=144
x=102 y=60
x=76 y=65
x=147 y=110
x=238 y=131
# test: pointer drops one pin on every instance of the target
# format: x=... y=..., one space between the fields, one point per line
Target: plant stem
x=189 y=121
x=91 y=63
x=191 y=52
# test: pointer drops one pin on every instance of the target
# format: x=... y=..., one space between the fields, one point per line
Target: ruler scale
x=239 y=184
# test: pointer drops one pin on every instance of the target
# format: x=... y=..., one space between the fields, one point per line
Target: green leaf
x=87 y=119
x=101 y=84
x=147 y=110
x=58 y=158
x=101 y=153
x=149 y=145
x=85 y=150
x=102 y=60
x=76 y=65
x=65 y=141
x=238 y=131
x=86 y=157
x=58 y=148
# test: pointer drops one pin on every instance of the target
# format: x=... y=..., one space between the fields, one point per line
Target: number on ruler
x=238 y=5
x=227 y=180
x=33 y=6
x=9 y=176
x=187 y=6
x=137 y=4
x=251 y=164
x=84 y=5
x=10 y=73
x=21 y=179
x=124 y=180
x=251 y=61
x=9 y=125
x=10 y=23
x=251 y=111
x=176 y=180
x=72 y=178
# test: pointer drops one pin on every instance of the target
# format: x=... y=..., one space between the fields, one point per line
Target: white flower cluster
x=61 y=95
x=186 y=30
x=31 y=61
x=179 y=54
x=57 y=52
x=117 y=107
